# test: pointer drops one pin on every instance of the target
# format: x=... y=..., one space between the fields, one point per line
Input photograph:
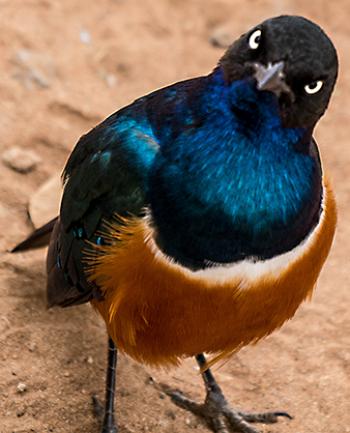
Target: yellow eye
x=313 y=87
x=254 y=39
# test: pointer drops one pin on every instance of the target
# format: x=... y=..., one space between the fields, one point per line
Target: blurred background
x=67 y=64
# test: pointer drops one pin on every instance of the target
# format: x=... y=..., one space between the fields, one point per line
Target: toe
x=218 y=424
x=264 y=418
x=238 y=423
x=185 y=403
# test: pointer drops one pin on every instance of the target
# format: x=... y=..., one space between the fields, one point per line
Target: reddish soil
x=67 y=64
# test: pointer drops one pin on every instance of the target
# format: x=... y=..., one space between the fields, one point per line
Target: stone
x=45 y=202
x=20 y=160
x=85 y=36
x=21 y=387
x=20 y=412
x=221 y=38
x=32 y=346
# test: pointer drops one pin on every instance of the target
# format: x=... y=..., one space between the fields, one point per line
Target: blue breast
x=229 y=181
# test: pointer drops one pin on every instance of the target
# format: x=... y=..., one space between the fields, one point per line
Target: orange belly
x=158 y=314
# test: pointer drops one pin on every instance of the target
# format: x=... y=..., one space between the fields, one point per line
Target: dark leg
x=216 y=411
x=108 y=425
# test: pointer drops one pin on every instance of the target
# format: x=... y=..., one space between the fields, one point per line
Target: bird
x=197 y=219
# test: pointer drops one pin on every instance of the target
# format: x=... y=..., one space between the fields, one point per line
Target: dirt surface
x=67 y=64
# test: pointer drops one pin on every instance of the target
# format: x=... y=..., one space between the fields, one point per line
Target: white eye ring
x=254 y=39
x=313 y=87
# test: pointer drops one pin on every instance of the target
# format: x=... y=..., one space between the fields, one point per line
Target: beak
x=271 y=78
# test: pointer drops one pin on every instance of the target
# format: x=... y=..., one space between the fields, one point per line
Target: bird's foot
x=108 y=424
x=220 y=417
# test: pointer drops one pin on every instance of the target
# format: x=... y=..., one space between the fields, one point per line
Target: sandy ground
x=67 y=64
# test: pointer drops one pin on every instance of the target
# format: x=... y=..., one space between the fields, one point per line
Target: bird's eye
x=313 y=87
x=254 y=39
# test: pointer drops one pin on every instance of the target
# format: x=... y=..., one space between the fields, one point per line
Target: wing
x=105 y=175
x=108 y=174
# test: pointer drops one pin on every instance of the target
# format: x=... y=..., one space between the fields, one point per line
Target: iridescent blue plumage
x=229 y=181
x=223 y=179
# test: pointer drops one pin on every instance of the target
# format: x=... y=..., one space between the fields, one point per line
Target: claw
x=285 y=414
x=265 y=418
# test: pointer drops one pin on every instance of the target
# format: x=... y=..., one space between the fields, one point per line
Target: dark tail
x=39 y=238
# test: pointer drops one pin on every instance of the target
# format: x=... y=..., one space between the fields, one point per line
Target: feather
x=39 y=238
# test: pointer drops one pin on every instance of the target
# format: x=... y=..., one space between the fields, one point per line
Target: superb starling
x=198 y=218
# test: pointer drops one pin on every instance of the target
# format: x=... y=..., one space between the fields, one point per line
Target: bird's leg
x=216 y=411
x=109 y=425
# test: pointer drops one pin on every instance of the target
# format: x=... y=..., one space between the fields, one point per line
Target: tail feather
x=39 y=238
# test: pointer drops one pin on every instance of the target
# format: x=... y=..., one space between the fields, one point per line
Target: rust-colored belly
x=158 y=314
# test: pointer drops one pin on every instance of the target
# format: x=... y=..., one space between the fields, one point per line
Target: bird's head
x=291 y=57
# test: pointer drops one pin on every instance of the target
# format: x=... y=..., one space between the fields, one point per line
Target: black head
x=292 y=57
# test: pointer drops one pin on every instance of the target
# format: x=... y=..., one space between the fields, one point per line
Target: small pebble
x=85 y=37
x=149 y=380
x=124 y=392
x=170 y=414
x=20 y=160
x=4 y=321
x=90 y=360
x=20 y=412
x=66 y=374
x=21 y=387
x=188 y=421
x=111 y=80
x=191 y=422
x=221 y=38
x=32 y=346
